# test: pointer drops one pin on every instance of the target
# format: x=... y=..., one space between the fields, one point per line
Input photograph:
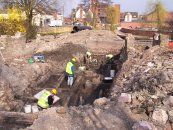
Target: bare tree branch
x=29 y=5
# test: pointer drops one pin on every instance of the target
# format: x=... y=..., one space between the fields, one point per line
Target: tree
x=161 y=12
x=94 y=8
x=111 y=17
x=86 y=3
x=170 y=25
x=73 y=14
x=157 y=13
x=28 y=6
x=89 y=17
x=5 y=4
x=15 y=22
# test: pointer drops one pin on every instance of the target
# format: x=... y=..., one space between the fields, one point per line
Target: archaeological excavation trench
x=92 y=83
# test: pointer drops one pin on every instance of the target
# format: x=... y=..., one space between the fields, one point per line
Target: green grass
x=50 y=33
x=55 y=30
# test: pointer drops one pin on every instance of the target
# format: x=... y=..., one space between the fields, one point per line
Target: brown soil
x=23 y=80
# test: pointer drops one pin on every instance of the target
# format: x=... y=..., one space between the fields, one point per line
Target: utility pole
x=63 y=10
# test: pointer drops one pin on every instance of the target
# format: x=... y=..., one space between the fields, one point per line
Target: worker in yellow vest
x=110 y=58
x=88 y=56
x=46 y=99
x=70 y=70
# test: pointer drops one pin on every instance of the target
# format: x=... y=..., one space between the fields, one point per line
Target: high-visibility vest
x=68 y=68
x=43 y=101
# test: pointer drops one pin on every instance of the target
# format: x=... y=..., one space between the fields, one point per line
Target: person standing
x=87 y=58
x=110 y=58
x=70 y=70
x=156 y=39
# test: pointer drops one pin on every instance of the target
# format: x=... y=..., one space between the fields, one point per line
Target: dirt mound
x=107 y=117
x=97 y=41
x=147 y=78
x=146 y=71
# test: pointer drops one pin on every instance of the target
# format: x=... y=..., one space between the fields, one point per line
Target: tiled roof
x=131 y=24
x=134 y=14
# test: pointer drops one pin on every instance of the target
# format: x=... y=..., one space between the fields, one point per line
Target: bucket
x=107 y=80
x=30 y=61
x=82 y=68
x=34 y=109
x=170 y=45
x=27 y=108
x=112 y=73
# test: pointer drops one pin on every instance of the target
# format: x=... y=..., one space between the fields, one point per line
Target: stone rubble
x=147 y=77
x=100 y=101
x=160 y=116
x=143 y=125
x=124 y=98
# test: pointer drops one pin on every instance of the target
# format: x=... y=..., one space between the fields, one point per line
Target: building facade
x=129 y=16
x=44 y=19
x=96 y=9
x=40 y=18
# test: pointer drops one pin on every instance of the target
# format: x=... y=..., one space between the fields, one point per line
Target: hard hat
x=88 y=53
x=74 y=59
x=110 y=56
x=54 y=91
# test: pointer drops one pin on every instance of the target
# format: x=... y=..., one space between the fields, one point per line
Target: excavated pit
x=88 y=86
x=93 y=83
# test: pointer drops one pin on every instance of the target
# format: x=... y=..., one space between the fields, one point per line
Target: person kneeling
x=47 y=99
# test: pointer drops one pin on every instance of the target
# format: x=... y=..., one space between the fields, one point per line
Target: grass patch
x=50 y=33
x=55 y=30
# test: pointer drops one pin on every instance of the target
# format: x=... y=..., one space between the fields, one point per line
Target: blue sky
x=126 y=5
x=141 y=5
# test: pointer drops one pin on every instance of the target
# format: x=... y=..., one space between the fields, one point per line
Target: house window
x=47 y=20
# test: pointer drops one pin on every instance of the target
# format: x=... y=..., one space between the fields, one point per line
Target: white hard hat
x=88 y=53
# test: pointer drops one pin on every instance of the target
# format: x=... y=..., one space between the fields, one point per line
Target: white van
x=55 y=23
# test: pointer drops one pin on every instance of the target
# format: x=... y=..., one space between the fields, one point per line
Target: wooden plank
x=17 y=118
x=75 y=91
x=60 y=80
